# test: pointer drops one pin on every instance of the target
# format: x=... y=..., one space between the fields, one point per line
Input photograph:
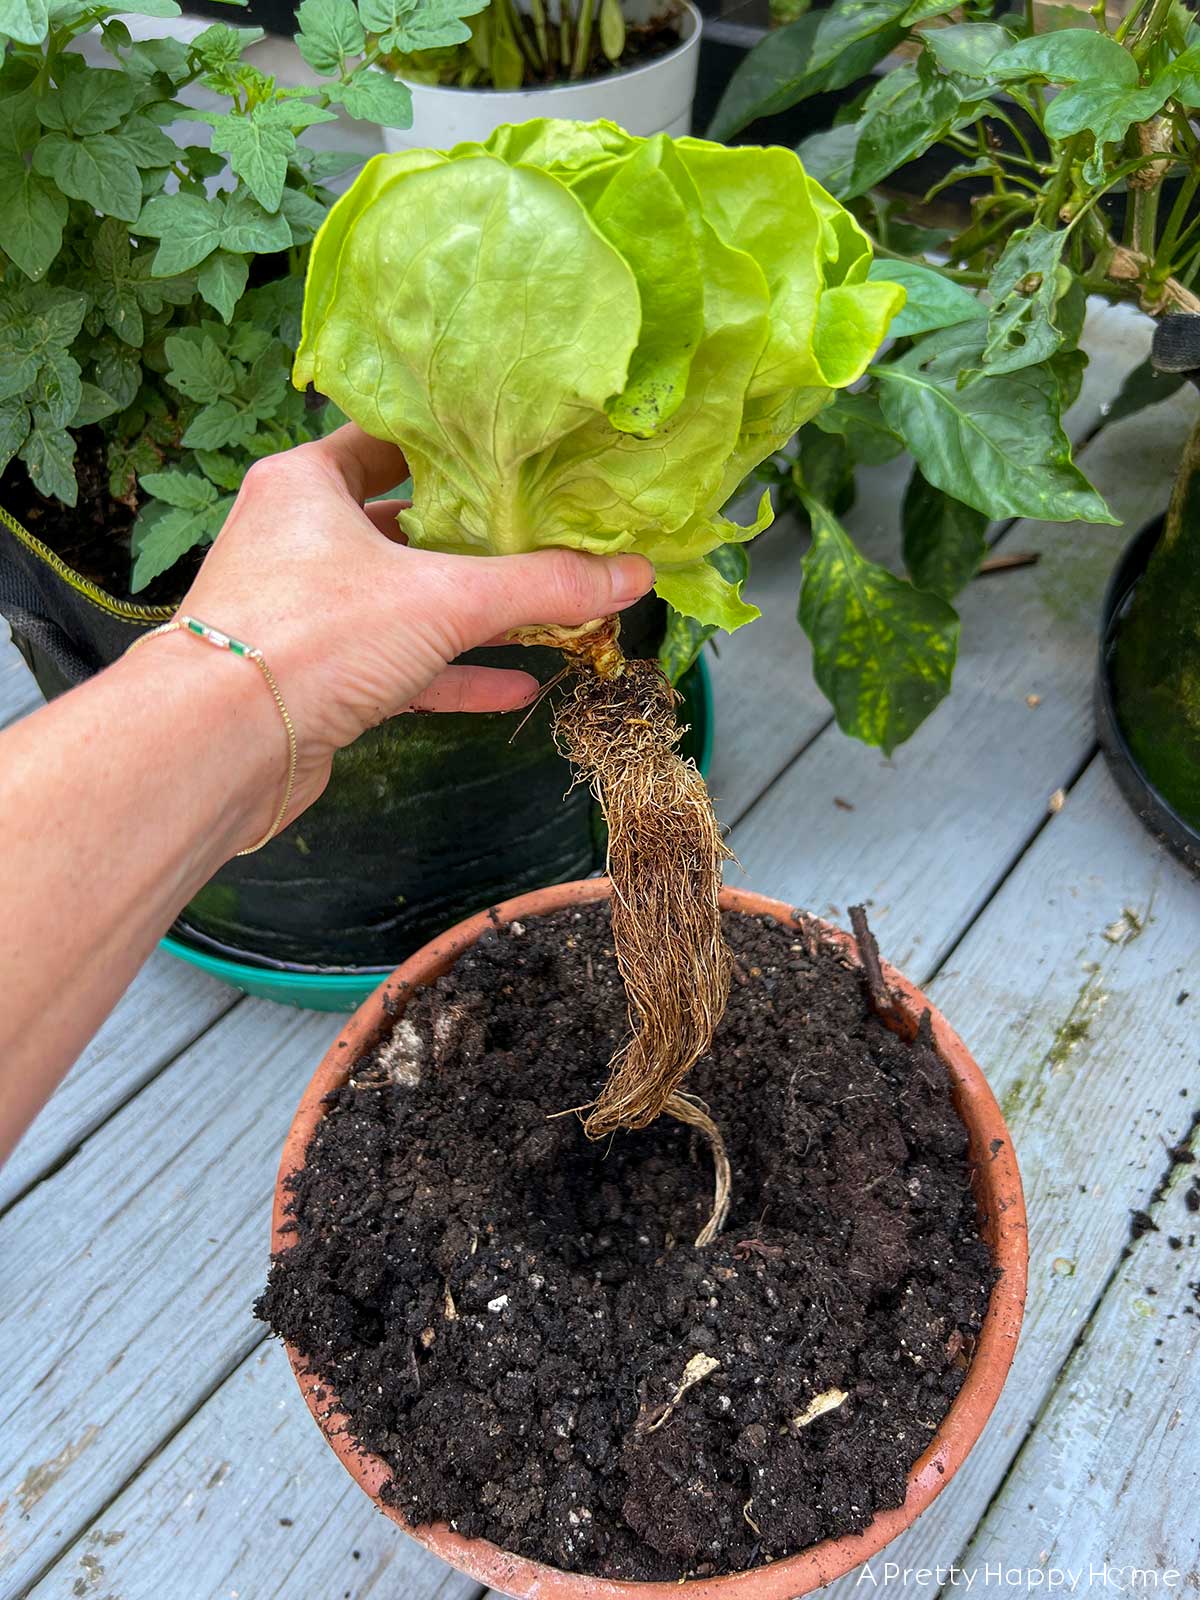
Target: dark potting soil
x=506 y=1311
x=92 y=536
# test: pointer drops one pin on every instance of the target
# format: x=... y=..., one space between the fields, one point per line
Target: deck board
x=167 y=1006
x=19 y=694
x=246 y=1501
x=1111 y=1476
x=1074 y=1019
x=129 y=1275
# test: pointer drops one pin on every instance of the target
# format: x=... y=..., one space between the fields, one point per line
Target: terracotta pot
x=1001 y=1218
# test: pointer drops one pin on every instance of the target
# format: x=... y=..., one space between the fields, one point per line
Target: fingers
x=496 y=593
x=477 y=689
x=366 y=466
x=383 y=514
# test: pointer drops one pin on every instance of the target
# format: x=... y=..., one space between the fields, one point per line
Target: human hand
x=358 y=627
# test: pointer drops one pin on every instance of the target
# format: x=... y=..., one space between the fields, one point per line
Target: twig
x=879 y=996
x=868 y=954
x=1009 y=561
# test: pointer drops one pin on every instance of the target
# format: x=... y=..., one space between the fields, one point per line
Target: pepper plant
x=1078 y=148
x=150 y=276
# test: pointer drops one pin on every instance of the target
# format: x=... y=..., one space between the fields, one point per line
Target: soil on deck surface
x=505 y=1310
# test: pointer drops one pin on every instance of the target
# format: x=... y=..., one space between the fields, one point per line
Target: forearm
x=117 y=802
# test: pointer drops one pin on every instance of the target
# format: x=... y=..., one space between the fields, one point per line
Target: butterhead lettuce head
x=582 y=338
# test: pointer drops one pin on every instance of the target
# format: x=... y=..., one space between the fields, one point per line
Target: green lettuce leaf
x=585 y=339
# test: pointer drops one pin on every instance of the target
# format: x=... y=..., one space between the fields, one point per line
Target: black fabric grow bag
x=426 y=818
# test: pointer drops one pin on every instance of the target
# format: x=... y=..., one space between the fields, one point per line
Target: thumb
x=499 y=593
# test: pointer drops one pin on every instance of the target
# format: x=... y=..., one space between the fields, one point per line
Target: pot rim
x=688 y=13
x=1146 y=800
x=1003 y=1224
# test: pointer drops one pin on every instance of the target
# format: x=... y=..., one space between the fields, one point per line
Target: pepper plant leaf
x=932 y=299
x=883 y=651
x=858 y=418
x=1025 y=288
x=1067 y=55
x=996 y=443
x=967 y=48
x=824 y=50
x=905 y=114
x=829 y=156
x=944 y=540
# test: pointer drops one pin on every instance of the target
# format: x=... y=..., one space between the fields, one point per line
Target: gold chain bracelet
x=224 y=641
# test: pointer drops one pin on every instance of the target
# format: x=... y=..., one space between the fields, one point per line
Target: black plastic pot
x=272 y=15
x=1147 y=801
x=425 y=819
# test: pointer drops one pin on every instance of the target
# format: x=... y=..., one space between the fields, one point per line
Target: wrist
x=218 y=718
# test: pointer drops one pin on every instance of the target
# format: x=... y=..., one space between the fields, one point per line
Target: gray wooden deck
x=154 y=1447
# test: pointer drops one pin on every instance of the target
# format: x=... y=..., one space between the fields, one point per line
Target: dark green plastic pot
x=425 y=819
x=345 y=991
x=1146 y=693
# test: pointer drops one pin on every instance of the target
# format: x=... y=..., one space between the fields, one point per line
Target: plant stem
x=1155 y=23
x=1130 y=20
x=516 y=28
x=583 y=39
x=538 y=9
x=959 y=274
x=1109 y=288
x=957 y=250
x=1002 y=116
x=1060 y=184
x=1115 y=177
x=1145 y=219
x=1163 y=253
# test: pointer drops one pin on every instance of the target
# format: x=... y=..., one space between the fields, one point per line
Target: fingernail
x=631 y=577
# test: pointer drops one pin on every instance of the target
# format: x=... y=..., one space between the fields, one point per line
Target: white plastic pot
x=655 y=98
